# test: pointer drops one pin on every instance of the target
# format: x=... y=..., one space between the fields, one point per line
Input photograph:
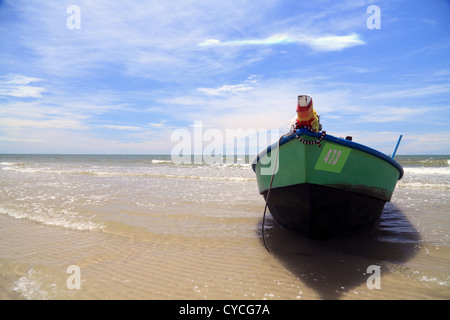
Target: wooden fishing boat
x=322 y=185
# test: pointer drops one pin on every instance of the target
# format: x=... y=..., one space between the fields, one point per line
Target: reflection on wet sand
x=334 y=266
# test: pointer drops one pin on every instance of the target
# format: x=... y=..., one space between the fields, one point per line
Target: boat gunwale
x=347 y=143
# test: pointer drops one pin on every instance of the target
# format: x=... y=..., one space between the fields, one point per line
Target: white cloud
x=319 y=43
x=210 y=42
x=158 y=125
x=56 y=123
x=21 y=91
x=16 y=85
x=416 y=92
x=55 y=111
x=236 y=88
x=152 y=39
x=160 y=40
x=272 y=40
x=392 y=113
x=426 y=143
x=121 y=127
x=333 y=42
x=251 y=104
x=228 y=89
x=17 y=79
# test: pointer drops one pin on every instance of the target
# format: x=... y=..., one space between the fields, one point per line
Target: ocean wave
x=206 y=178
x=47 y=170
x=427 y=170
x=423 y=185
x=57 y=220
x=131 y=173
x=232 y=165
x=8 y=163
x=421 y=161
x=25 y=170
x=162 y=161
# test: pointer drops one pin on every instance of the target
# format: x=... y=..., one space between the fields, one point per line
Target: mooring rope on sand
x=268 y=193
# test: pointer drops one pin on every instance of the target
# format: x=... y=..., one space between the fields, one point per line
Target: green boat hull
x=325 y=189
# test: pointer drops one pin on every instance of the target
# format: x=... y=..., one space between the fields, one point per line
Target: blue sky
x=135 y=71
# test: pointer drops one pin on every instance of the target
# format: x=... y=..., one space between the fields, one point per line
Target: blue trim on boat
x=347 y=143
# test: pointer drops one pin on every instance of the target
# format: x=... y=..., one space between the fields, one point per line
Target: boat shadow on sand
x=332 y=267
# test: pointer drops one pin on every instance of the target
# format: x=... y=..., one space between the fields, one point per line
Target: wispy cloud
x=121 y=127
x=422 y=91
x=15 y=85
x=148 y=39
x=231 y=88
x=159 y=41
x=158 y=125
x=272 y=40
x=55 y=123
x=393 y=114
x=54 y=110
x=319 y=43
x=333 y=42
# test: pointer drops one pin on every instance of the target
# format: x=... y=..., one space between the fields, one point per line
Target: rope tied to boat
x=308 y=142
x=268 y=193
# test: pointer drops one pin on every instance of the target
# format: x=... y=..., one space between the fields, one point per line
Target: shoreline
x=118 y=267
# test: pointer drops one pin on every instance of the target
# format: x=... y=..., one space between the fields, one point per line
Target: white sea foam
x=422 y=185
x=62 y=219
x=161 y=161
x=29 y=287
x=7 y=163
x=25 y=170
x=427 y=170
x=233 y=165
x=434 y=280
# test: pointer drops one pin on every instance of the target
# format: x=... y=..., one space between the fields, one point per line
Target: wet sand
x=35 y=260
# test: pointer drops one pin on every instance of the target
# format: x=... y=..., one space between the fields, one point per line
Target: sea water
x=143 y=227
